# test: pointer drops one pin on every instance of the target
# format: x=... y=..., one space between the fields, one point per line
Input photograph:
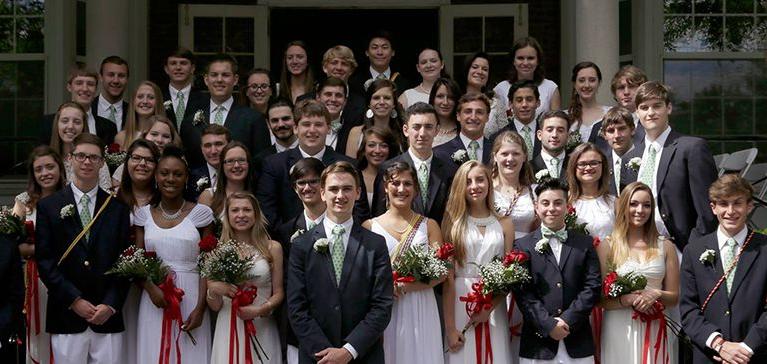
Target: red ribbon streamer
x=661 y=336
x=402 y=279
x=476 y=301
x=243 y=297
x=32 y=302
x=596 y=329
x=172 y=312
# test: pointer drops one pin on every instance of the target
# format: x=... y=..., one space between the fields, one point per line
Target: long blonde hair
x=132 y=127
x=259 y=237
x=619 y=247
x=454 y=223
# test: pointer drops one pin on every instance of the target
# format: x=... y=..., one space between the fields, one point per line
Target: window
x=22 y=82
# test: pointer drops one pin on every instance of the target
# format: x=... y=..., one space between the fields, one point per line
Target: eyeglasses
x=93 y=158
x=240 y=161
x=584 y=165
x=311 y=182
x=256 y=86
x=135 y=158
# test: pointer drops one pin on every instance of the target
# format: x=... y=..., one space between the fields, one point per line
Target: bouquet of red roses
x=137 y=264
x=615 y=285
x=227 y=261
x=571 y=221
x=114 y=156
x=423 y=263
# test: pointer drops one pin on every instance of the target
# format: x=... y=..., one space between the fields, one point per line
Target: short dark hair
x=182 y=52
x=420 y=108
x=652 y=90
x=304 y=167
x=279 y=102
x=617 y=115
x=333 y=82
x=551 y=184
x=633 y=74
x=88 y=138
x=516 y=86
x=223 y=57
x=381 y=33
x=215 y=129
x=340 y=167
x=554 y=114
x=114 y=60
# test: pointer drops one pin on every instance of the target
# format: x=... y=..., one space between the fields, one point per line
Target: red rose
x=129 y=251
x=514 y=256
x=404 y=279
x=570 y=209
x=29 y=227
x=445 y=251
x=608 y=282
x=150 y=254
x=208 y=243
x=596 y=242
x=113 y=148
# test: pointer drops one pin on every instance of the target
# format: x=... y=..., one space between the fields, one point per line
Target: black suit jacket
x=538 y=164
x=610 y=166
x=358 y=79
x=246 y=126
x=258 y=161
x=441 y=175
x=105 y=129
x=196 y=101
x=568 y=289
x=81 y=274
x=12 y=286
x=355 y=311
x=279 y=202
x=95 y=111
x=738 y=316
x=192 y=192
x=283 y=235
x=445 y=151
x=686 y=170
x=352 y=116
x=513 y=127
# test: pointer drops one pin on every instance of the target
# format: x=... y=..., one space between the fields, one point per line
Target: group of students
x=446 y=161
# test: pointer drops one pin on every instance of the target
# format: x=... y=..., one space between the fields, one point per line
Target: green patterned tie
x=180 y=107
x=113 y=114
x=560 y=235
x=85 y=212
x=554 y=162
x=473 y=146
x=219 y=118
x=337 y=250
x=526 y=134
x=728 y=256
x=310 y=225
x=423 y=182
x=648 y=169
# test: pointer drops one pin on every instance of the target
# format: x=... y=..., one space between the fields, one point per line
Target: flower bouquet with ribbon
x=32 y=294
x=423 y=263
x=615 y=285
x=11 y=225
x=571 y=221
x=114 y=156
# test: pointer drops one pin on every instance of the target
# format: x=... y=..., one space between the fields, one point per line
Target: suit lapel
x=665 y=159
x=231 y=117
x=101 y=197
x=319 y=233
x=548 y=253
x=435 y=180
x=745 y=262
x=418 y=204
x=487 y=147
x=352 y=247
x=564 y=254
x=629 y=175
x=69 y=199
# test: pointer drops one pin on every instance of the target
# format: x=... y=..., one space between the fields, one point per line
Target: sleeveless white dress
x=598 y=214
x=413 y=96
x=480 y=250
x=622 y=336
x=414 y=334
x=266 y=328
x=178 y=248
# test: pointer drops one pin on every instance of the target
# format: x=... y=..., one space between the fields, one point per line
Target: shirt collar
x=79 y=194
x=280 y=148
x=318 y=155
x=226 y=104
x=375 y=73
x=547 y=157
x=616 y=157
x=466 y=140
x=211 y=170
x=660 y=141
x=519 y=125
x=329 y=225
x=174 y=92
x=722 y=237
x=319 y=219
x=104 y=104
x=417 y=161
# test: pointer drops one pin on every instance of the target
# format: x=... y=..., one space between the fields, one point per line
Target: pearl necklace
x=481 y=221
x=173 y=216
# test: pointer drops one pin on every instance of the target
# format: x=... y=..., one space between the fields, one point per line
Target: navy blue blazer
x=192 y=193
x=283 y=235
x=740 y=315
x=81 y=274
x=357 y=310
x=105 y=129
x=446 y=150
x=686 y=170
x=246 y=126
x=12 y=286
x=95 y=111
x=538 y=164
x=568 y=289
x=196 y=101
x=512 y=127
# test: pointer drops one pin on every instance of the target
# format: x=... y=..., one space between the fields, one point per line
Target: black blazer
x=95 y=110
x=538 y=164
x=12 y=286
x=686 y=170
x=105 y=129
x=283 y=235
x=243 y=122
x=279 y=202
x=196 y=101
x=739 y=316
x=512 y=127
x=613 y=188
x=192 y=193
x=258 y=161
x=81 y=274
x=568 y=289
x=446 y=150
x=440 y=178
x=356 y=311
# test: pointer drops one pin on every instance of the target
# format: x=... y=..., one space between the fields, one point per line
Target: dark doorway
x=321 y=29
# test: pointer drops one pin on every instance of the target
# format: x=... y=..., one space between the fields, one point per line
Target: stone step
x=10 y=186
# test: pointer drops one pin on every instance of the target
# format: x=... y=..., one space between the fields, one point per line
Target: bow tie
x=560 y=235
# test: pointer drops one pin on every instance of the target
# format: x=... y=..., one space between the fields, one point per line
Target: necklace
x=173 y=216
x=481 y=221
x=422 y=89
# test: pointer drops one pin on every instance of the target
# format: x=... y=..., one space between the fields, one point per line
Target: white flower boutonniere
x=460 y=156
x=634 y=163
x=542 y=246
x=707 y=257
x=335 y=126
x=67 y=211
x=542 y=176
x=199 y=118
x=298 y=233
x=168 y=104
x=322 y=246
x=203 y=183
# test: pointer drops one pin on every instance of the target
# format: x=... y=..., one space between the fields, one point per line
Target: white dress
x=413 y=334
x=480 y=250
x=178 y=248
x=266 y=328
x=413 y=96
x=546 y=89
x=598 y=214
x=130 y=314
x=522 y=211
x=585 y=130
x=622 y=336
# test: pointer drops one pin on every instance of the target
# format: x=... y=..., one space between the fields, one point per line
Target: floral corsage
x=199 y=118
x=542 y=246
x=322 y=246
x=634 y=163
x=298 y=233
x=202 y=183
x=460 y=156
x=707 y=257
x=67 y=211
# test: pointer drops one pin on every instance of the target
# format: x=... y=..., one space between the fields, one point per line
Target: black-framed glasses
x=231 y=162
x=135 y=158
x=584 y=165
x=314 y=182
x=257 y=86
x=81 y=157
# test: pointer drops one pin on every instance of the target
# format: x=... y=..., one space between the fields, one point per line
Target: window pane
x=245 y=64
x=677 y=33
x=6 y=35
x=738 y=116
x=705 y=78
x=28 y=117
x=7 y=80
x=7 y=117
x=708 y=6
x=499 y=68
x=31 y=79
x=677 y=6
x=29 y=35
x=760 y=115
x=458 y=65
x=707 y=117
x=6 y=7
x=30 y=7
x=708 y=34
x=208 y=34
x=740 y=6
x=737 y=78
x=761 y=6
x=499 y=34
x=467 y=34
x=756 y=39
x=239 y=35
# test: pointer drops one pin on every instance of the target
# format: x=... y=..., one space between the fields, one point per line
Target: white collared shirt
x=417 y=161
x=281 y=148
x=307 y=155
x=332 y=137
x=658 y=145
x=91 y=122
x=227 y=108
x=103 y=111
x=316 y=222
x=617 y=166
x=79 y=194
x=330 y=224
x=466 y=140
x=547 y=160
x=386 y=73
x=213 y=173
x=174 y=95
x=533 y=128
x=556 y=245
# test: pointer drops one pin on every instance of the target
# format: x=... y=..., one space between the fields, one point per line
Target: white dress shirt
x=316 y=222
x=332 y=137
x=91 y=122
x=417 y=161
x=227 y=108
x=281 y=148
x=547 y=161
x=79 y=194
x=374 y=73
x=556 y=245
x=533 y=128
x=174 y=96
x=103 y=111
x=317 y=156
x=213 y=173
x=466 y=140
x=658 y=145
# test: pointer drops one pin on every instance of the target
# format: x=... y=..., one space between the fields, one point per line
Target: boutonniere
x=634 y=163
x=460 y=156
x=335 y=126
x=199 y=118
x=321 y=246
x=203 y=183
x=67 y=211
x=707 y=257
x=542 y=246
x=298 y=233
x=542 y=176
x=168 y=104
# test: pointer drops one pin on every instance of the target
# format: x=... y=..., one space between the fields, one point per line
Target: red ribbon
x=402 y=279
x=596 y=329
x=172 y=312
x=476 y=301
x=32 y=301
x=243 y=297
x=661 y=336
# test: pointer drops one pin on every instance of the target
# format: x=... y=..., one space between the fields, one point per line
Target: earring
x=393 y=113
x=369 y=114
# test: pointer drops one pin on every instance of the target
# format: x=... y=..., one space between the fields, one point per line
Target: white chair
x=719 y=158
x=757 y=175
x=739 y=161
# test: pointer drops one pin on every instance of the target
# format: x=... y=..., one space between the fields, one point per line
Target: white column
x=596 y=40
x=59 y=51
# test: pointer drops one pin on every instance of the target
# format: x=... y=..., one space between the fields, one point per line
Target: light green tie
x=473 y=146
x=180 y=107
x=423 y=182
x=113 y=114
x=648 y=170
x=310 y=225
x=219 y=118
x=85 y=212
x=554 y=162
x=527 y=135
x=337 y=250
x=728 y=256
